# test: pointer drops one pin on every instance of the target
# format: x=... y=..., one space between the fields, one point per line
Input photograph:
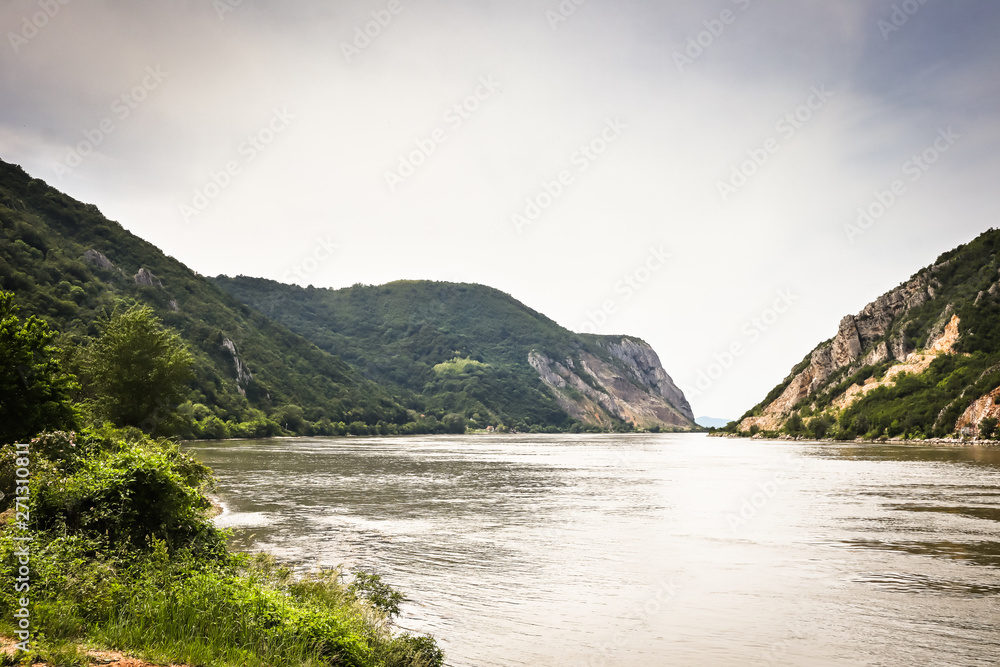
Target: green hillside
x=921 y=361
x=71 y=266
x=447 y=347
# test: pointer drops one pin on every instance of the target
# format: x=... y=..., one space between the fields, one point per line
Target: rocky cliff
x=938 y=325
x=630 y=385
x=474 y=351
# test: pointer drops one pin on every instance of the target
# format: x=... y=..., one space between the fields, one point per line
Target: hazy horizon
x=691 y=175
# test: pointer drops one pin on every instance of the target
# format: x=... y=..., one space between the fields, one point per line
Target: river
x=643 y=549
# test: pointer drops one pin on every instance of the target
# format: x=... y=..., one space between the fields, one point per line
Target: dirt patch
x=8 y=647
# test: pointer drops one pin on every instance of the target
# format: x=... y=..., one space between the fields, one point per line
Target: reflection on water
x=644 y=549
x=904 y=582
x=977 y=553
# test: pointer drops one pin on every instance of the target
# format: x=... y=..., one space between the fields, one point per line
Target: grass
x=124 y=557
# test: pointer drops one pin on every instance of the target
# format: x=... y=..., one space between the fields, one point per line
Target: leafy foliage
x=442 y=347
x=34 y=389
x=380 y=595
x=71 y=267
x=138 y=368
x=124 y=555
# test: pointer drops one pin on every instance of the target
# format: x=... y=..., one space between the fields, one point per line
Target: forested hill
x=477 y=351
x=922 y=360
x=431 y=357
x=68 y=264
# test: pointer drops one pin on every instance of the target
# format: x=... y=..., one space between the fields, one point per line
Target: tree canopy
x=34 y=389
x=139 y=368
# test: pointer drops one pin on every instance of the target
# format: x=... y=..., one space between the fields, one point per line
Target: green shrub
x=124 y=556
x=988 y=428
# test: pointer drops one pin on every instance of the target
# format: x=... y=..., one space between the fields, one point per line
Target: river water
x=644 y=550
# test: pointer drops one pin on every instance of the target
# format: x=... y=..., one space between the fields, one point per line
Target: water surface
x=638 y=550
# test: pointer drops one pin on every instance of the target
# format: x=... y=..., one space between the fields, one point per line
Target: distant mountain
x=922 y=360
x=476 y=351
x=68 y=264
x=712 y=422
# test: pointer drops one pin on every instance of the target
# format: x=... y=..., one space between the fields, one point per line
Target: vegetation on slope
x=71 y=267
x=966 y=282
x=105 y=536
x=444 y=347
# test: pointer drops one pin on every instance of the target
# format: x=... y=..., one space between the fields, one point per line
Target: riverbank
x=124 y=554
x=945 y=442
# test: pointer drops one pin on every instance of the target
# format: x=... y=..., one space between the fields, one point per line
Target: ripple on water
x=976 y=553
x=910 y=582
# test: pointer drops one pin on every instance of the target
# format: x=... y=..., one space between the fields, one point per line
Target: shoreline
x=943 y=442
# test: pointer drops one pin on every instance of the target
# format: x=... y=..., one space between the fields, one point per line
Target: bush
x=380 y=595
x=124 y=556
x=34 y=389
x=128 y=496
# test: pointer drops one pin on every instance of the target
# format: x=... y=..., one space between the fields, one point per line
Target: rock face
x=146 y=278
x=243 y=374
x=98 y=259
x=630 y=385
x=983 y=408
x=645 y=364
x=856 y=344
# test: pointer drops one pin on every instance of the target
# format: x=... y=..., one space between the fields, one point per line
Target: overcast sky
x=672 y=170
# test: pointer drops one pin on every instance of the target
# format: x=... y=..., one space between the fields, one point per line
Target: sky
x=725 y=180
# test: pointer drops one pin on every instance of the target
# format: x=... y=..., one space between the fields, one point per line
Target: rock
x=243 y=375
x=982 y=408
x=146 y=278
x=847 y=343
x=876 y=355
x=856 y=344
x=98 y=259
x=633 y=387
x=900 y=348
x=644 y=362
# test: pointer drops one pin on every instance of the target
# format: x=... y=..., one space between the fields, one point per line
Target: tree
x=794 y=425
x=34 y=389
x=139 y=370
x=988 y=428
x=453 y=423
